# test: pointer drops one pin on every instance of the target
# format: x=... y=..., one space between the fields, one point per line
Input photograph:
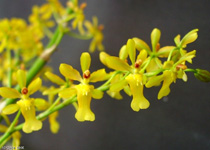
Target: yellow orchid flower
x=135 y=79
x=40 y=19
x=188 y=38
x=10 y=33
x=58 y=81
x=52 y=92
x=96 y=32
x=57 y=7
x=155 y=62
x=84 y=91
x=171 y=73
x=25 y=104
x=42 y=105
x=78 y=15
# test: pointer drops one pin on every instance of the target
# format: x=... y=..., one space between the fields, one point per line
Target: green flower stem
x=54 y=104
x=190 y=70
x=158 y=63
x=5 y=141
x=41 y=116
x=170 y=54
x=150 y=74
x=58 y=107
x=39 y=63
x=105 y=86
x=10 y=130
x=146 y=65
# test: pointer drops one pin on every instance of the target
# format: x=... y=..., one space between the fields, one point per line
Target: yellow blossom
x=40 y=19
x=135 y=79
x=96 y=32
x=25 y=104
x=171 y=73
x=84 y=91
x=78 y=15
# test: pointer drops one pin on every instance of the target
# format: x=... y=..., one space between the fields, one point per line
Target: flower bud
x=202 y=75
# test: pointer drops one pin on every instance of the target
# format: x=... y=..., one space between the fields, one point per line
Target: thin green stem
x=190 y=70
x=54 y=104
x=158 y=63
x=38 y=64
x=146 y=65
x=150 y=74
x=105 y=86
x=10 y=130
x=5 y=141
x=48 y=112
x=170 y=54
x=41 y=116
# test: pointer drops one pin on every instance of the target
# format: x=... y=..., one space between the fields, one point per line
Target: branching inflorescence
x=23 y=58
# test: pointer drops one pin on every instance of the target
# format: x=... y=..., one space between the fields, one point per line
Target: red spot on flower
x=24 y=91
x=138 y=63
x=86 y=74
x=181 y=66
x=157 y=47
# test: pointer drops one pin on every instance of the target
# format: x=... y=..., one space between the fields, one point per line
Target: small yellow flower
x=25 y=104
x=135 y=79
x=10 y=33
x=57 y=7
x=155 y=62
x=84 y=91
x=40 y=19
x=96 y=32
x=135 y=82
x=171 y=73
x=78 y=15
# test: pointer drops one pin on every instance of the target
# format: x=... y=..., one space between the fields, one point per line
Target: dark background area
x=180 y=121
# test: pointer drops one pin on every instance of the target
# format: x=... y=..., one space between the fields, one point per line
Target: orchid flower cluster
x=23 y=65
